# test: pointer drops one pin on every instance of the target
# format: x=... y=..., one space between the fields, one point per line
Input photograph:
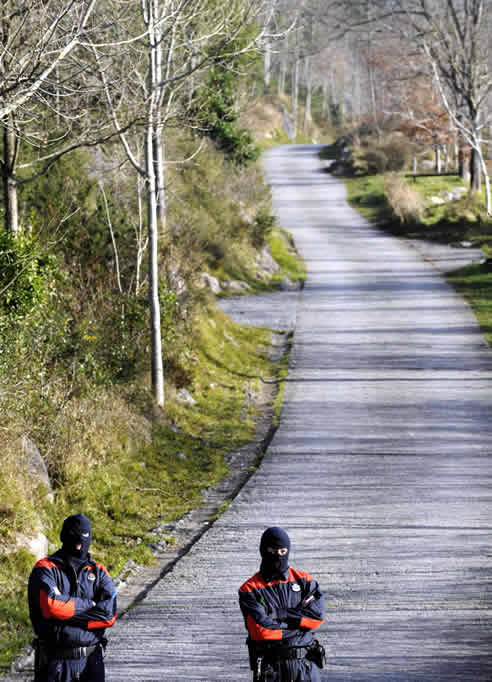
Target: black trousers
x=89 y=669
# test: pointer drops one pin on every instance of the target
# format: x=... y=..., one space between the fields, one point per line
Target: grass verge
x=475 y=285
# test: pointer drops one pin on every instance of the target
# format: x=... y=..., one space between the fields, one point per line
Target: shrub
x=220 y=119
x=262 y=228
x=25 y=273
x=406 y=204
x=392 y=155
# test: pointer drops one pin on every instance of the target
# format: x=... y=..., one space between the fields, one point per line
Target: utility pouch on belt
x=316 y=654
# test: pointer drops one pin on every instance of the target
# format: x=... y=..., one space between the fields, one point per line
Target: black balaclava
x=76 y=536
x=273 y=565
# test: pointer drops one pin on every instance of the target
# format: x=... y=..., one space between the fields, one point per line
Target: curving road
x=381 y=471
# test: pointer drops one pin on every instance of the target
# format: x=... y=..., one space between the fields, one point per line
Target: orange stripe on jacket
x=259 y=633
x=257 y=582
x=310 y=623
x=94 y=624
x=54 y=608
x=45 y=563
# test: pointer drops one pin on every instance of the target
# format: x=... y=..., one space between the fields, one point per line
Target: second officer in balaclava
x=72 y=600
x=281 y=606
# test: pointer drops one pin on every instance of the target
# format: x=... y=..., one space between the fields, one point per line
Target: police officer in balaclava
x=282 y=606
x=72 y=600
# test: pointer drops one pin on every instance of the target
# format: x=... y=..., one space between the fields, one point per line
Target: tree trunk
x=463 y=167
x=475 y=171
x=283 y=68
x=309 y=88
x=267 y=64
x=295 y=96
x=438 y=159
x=325 y=107
x=155 y=196
x=483 y=166
x=9 y=182
x=154 y=304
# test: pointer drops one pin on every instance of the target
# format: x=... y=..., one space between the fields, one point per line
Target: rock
x=177 y=282
x=185 y=397
x=35 y=466
x=37 y=545
x=208 y=281
x=266 y=262
x=237 y=286
x=25 y=662
x=288 y=284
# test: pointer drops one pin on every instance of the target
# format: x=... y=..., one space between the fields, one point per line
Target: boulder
x=288 y=284
x=36 y=544
x=35 y=466
x=208 y=281
x=185 y=397
x=266 y=262
x=236 y=286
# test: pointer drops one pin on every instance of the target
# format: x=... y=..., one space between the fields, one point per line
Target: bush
x=390 y=156
x=26 y=273
x=220 y=119
x=262 y=228
x=406 y=204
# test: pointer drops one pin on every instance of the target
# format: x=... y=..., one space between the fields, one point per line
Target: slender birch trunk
x=153 y=169
x=309 y=93
x=267 y=63
x=10 y=144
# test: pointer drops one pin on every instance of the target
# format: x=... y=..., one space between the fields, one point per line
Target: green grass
x=448 y=223
x=475 y=284
x=366 y=194
x=284 y=252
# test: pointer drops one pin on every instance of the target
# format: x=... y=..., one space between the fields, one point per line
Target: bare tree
x=453 y=35
x=35 y=37
x=174 y=41
x=48 y=103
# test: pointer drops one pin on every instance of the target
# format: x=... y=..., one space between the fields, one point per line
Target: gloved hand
x=293 y=622
x=103 y=610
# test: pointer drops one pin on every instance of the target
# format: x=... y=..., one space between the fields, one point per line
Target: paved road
x=381 y=471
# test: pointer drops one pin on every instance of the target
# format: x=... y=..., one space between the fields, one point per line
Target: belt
x=71 y=654
x=285 y=654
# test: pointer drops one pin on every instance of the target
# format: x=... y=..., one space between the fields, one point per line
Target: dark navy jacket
x=283 y=611
x=60 y=602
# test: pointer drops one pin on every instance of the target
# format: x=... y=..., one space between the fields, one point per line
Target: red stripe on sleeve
x=95 y=624
x=261 y=634
x=310 y=623
x=54 y=608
